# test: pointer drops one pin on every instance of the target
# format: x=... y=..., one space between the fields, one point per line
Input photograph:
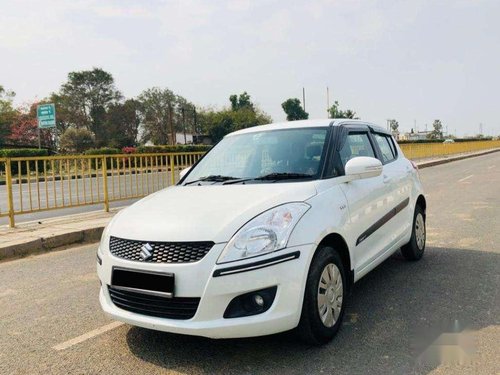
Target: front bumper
x=197 y=280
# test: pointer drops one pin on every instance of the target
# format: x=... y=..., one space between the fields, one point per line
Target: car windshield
x=287 y=154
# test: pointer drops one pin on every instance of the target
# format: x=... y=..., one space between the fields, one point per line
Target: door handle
x=386 y=179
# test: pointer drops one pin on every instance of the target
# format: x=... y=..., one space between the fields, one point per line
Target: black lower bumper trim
x=256 y=265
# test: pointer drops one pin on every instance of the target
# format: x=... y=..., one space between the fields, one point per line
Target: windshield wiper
x=284 y=176
x=213 y=178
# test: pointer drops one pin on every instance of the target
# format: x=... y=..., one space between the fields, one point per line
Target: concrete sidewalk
x=34 y=237
x=37 y=236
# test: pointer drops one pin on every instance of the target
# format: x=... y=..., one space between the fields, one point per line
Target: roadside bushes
x=102 y=151
x=176 y=148
x=23 y=152
x=96 y=163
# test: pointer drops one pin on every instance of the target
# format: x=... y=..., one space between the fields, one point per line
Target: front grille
x=163 y=252
x=162 y=307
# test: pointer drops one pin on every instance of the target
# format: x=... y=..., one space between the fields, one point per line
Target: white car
x=266 y=233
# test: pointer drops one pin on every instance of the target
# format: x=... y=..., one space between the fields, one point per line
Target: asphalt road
x=393 y=315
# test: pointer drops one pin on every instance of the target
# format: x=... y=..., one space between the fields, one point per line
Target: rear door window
x=386 y=147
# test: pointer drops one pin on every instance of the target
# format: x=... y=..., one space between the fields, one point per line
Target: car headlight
x=265 y=233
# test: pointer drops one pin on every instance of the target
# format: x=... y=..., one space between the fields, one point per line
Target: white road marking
x=87 y=336
x=491 y=166
x=465 y=178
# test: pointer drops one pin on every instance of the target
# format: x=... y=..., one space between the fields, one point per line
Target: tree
x=394 y=125
x=242 y=114
x=437 y=132
x=122 y=123
x=219 y=123
x=7 y=113
x=336 y=112
x=24 y=129
x=76 y=140
x=84 y=99
x=156 y=105
x=242 y=102
x=294 y=110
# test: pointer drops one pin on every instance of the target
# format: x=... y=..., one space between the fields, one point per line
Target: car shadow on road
x=386 y=317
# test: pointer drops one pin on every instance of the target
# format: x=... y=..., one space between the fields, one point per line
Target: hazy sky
x=409 y=60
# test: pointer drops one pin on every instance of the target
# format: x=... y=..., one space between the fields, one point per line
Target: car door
x=397 y=189
x=365 y=199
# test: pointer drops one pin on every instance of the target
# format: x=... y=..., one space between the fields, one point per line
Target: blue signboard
x=46 y=114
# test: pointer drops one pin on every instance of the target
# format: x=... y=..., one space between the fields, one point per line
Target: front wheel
x=324 y=298
x=414 y=250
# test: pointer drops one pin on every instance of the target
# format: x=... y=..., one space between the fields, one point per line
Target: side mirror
x=363 y=167
x=183 y=172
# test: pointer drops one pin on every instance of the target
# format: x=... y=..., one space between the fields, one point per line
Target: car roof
x=308 y=123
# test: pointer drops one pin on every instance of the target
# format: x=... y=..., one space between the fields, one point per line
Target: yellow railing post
x=172 y=169
x=105 y=183
x=10 y=199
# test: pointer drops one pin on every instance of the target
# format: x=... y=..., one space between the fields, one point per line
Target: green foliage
x=122 y=123
x=437 y=132
x=102 y=151
x=97 y=163
x=168 y=148
x=294 y=110
x=394 y=125
x=84 y=100
x=243 y=102
x=421 y=141
x=75 y=140
x=22 y=152
x=7 y=113
x=336 y=112
x=156 y=107
x=217 y=124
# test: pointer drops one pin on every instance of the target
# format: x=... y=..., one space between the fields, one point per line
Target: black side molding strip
x=257 y=265
x=367 y=233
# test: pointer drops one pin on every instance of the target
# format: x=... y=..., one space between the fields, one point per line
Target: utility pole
x=171 y=125
x=327 y=102
x=194 y=122
x=304 y=97
x=184 y=124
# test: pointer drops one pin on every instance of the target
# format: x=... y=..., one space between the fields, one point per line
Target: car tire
x=414 y=250
x=323 y=308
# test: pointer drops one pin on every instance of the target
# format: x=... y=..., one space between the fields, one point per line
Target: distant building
x=183 y=139
x=418 y=136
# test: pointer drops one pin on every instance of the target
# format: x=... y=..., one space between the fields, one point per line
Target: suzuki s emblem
x=146 y=251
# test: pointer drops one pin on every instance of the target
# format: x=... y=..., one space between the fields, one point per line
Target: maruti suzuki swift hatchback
x=266 y=233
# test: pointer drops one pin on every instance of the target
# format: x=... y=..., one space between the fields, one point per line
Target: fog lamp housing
x=252 y=303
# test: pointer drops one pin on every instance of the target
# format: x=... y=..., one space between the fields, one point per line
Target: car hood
x=203 y=213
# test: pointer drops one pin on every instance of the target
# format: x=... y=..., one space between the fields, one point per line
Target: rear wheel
x=324 y=299
x=414 y=250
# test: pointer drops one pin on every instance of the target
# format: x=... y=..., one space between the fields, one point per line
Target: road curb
x=48 y=243
x=432 y=163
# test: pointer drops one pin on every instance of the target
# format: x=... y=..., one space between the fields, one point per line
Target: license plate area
x=146 y=282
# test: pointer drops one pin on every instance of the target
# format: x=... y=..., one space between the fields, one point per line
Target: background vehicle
x=266 y=233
